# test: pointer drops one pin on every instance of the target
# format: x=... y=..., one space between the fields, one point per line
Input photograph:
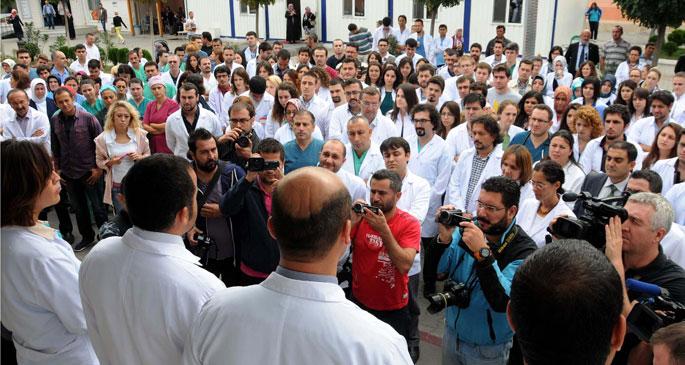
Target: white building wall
x=214 y=16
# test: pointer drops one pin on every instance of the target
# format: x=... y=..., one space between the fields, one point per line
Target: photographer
x=484 y=257
x=248 y=203
x=214 y=231
x=642 y=258
x=233 y=148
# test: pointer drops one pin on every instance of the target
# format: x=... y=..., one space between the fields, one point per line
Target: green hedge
x=677 y=37
x=147 y=55
x=669 y=48
x=123 y=55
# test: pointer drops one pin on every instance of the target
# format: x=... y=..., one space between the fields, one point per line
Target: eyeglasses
x=487 y=207
x=370 y=104
x=422 y=121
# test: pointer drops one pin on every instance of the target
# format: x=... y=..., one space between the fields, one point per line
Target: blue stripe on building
x=467 y=24
x=390 y=9
x=554 y=23
x=324 y=23
x=230 y=7
x=266 y=19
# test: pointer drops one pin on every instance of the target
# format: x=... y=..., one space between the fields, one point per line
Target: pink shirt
x=154 y=115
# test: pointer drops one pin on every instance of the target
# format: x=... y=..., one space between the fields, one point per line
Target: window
x=244 y=8
x=502 y=8
x=353 y=7
x=418 y=11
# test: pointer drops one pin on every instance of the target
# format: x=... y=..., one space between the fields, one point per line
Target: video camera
x=653 y=311
x=590 y=225
x=452 y=294
x=359 y=208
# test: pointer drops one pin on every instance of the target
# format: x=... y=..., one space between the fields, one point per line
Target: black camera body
x=359 y=208
x=204 y=241
x=650 y=314
x=452 y=294
x=259 y=164
x=452 y=218
x=590 y=225
x=243 y=139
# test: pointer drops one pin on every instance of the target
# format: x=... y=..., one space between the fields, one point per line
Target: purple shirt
x=73 y=143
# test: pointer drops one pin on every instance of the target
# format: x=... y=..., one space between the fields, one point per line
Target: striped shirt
x=615 y=53
x=476 y=170
x=363 y=39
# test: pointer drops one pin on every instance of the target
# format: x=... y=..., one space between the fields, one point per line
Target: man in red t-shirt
x=384 y=246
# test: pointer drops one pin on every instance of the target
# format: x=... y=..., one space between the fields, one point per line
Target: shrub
x=677 y=37
x=653 y=39
x=113 y=55
x=123 y=55
x=669 y=48
x=147 y=55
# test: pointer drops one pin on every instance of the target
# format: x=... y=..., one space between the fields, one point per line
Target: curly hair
x=590 y=115
x=133 y=112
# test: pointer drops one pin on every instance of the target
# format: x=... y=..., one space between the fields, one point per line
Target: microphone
x=646 y=288
x=571 y=196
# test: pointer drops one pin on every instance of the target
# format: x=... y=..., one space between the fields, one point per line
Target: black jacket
x=572 y=56
x=50 y=106
x=245 y=204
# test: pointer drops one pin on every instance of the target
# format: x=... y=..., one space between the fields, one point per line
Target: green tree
x=432 y=7
x=257 y=4
x=654 y=14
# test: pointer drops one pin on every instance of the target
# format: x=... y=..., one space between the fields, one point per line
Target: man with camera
x=240 y=140
x=385 y=240
x=480 y=262
x=212 y=237
x=248 y=203
x=650 y=218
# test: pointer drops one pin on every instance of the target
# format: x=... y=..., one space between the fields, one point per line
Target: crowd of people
x=298 y=200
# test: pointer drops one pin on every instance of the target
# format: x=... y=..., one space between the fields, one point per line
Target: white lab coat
x=354 y=184
x=40 y=298
x=322 y=112
x=673 y=244
x=573 y=178
x=37 y=120
x=372 y=162
x=284 y=133
x=427 y=46
x=459 y=139
x=459 y=180
x=287 y=321
x=262 y=113
x=526 y=193
x=591 y=158
x=404 y=126
x=383 y=128
x=177 y=134
x=644 y=130
x=535 y=226
x=141 y=294
x=678 y=109
x=675 y=197
x=434 y=164
x=337 y=128
x=415 y=199
x=666 y=169
x=220 y=103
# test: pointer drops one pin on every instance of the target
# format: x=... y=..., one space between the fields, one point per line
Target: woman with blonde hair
x=272 y=84
x=122 y=143
x=587 y=125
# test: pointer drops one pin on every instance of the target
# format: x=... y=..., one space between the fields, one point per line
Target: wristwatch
x=482 y=254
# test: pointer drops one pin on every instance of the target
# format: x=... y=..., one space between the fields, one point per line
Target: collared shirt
x=321 y=110
x=60 y=75
x=73 y=143
x=539 y=152
x=304 y=276
x=383 y=128
x=23 y=128
x=338 y=125
x=610 y=189
x=644 y=130
x=40 y=297
x=477 y=168
x=615 y=53
x=176 y=132
x=124 y=282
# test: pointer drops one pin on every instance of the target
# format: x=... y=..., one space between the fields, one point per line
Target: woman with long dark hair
x=624 y=92
x=639 y=106
x=41 y=304
x=405 y=100
x=389 y=82
x=590 y=91
x=526 y=105
x=561 y=151
x=665 y=145
x=450 y=118
x=406 y=68
x=284 y=92
x=373 y=74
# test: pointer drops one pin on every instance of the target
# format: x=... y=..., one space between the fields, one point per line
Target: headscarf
x=11 y=63
x=563 y=62
x=576 y=84
x=296 y=102
x=612 y=79
x=564 y=90
x=108 y=87
x=41 y=105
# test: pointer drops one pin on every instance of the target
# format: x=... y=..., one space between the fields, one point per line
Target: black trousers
x=224 y=270
x=413 y=338
x=398 y=319
x=80 y=195
x=62 y=210
x=594 y=29
x=431 y=259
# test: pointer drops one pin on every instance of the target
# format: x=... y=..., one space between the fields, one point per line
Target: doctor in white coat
x=363 y=156
x=476 y=164
x=23 y=122
x=535 y=215
x=299 y=314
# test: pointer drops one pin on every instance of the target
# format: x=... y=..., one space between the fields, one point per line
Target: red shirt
x=152 y=115
x=376 y=282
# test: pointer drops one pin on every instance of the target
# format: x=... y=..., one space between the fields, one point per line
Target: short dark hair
x=207 y=35
x=491 y=126
x=352 y=27
x=654 y=180
x=316 y=233
x=635 y=48
x=411 y=42
x=221 y=70
x=125 y=69
x=283 y=54
x=502 y=68
x=437 y=80
x=187 y=86
x=476 y=45
x=596 y=86
x=309 y=114
x=673 y=337
x=136 y=81
x=394 y=143
x=545 y=107
x=385 y=174
x=352 y=81
x=474 y=98
x=265 y=46
x=386 y=21
x=620 y=110
x=512 y=46
x=506 y=187
x=237 y=106
x=270 y=145
x=663 y=96
x=153 y=207
x=250 y=33
x=78 y=46
x=628 y=147
x=565 y=301
x=553 y=173
x=62 y=90
x=199 y=134
x=94 y=64
x=151 y=64
x=21 y=190
x=432 y=113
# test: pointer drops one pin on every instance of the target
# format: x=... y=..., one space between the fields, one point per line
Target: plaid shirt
x=477 y=168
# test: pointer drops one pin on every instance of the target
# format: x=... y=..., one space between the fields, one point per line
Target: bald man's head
x=310 y=209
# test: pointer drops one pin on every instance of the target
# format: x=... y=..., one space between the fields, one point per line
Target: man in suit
x=582 y=51
x=619 y=162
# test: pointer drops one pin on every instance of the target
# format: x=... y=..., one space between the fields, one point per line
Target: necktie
x=613 y=191
x=581 y=56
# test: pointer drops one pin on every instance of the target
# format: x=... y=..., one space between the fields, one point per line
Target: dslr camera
x=243 y=139
x=590 y=225
x=259 y=164
x=452 y=218
x=359 y=208
x=452 y=294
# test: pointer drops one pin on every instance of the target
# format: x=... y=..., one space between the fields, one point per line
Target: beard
x=495 y=229
x=420 y=132
x=208 y=166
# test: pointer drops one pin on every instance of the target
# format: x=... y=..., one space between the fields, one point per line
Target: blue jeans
x=104 y=26
x=115 y=201
x=50 y=21
x=461 y=353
